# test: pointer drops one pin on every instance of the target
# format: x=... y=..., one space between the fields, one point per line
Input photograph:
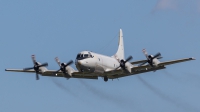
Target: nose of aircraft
x=79 y=62
x=82 y=63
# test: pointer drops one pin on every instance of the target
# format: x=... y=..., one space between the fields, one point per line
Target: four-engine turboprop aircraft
x=91 y=65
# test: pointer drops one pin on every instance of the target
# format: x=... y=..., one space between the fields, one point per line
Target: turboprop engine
x=38 y=67
x=65 y=68
x=125 y=65
x=152 y=60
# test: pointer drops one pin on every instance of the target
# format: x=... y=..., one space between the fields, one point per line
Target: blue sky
x=51 y=28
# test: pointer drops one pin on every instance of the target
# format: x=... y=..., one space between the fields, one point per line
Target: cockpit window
x=78 y=56
x=83 y=56
x=86 y=55
x=90 y=55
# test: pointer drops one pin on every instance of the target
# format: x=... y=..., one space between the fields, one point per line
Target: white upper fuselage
x=87 y=61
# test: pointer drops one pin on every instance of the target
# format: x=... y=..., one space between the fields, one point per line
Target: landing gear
x=105 y=78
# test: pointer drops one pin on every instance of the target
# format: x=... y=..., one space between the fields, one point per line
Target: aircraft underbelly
x=99 y=69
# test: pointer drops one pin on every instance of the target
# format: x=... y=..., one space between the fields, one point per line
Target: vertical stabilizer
x=120 y=51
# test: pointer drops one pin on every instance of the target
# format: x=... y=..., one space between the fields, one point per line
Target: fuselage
x=87 y=61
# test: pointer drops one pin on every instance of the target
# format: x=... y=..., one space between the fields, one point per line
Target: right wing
x=20 y=70
x=59 y=74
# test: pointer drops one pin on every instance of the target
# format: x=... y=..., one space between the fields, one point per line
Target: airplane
x=91 y=65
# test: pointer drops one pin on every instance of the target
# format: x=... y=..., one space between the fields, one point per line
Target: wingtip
x=7 y=69
x=192 y=58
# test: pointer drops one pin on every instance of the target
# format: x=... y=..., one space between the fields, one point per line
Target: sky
x=63 y=28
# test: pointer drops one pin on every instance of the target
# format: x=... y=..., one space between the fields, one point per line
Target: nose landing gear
x=105 y=78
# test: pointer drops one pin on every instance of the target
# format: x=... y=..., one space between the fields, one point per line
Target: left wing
x=51 y=72
x=145 y=68
x=138 y=62
x=175 y=61
x=162 y=64
x=134 y=73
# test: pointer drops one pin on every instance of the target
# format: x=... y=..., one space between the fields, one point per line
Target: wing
x=144 y=68
x=162 y=64
x=59 y=74
x=138 y=62
x=46 y=73
x=174 y=61
x=20 y=70
x=74 y=74
x=124 y=73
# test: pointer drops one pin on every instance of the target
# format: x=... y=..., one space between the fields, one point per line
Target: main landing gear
x=105 y=78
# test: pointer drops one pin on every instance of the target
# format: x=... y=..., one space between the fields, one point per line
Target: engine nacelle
x=69 y=70
x=155 y=62
x=129 y=66
x=43 y=69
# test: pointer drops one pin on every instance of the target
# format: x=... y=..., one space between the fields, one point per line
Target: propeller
x=150 y=58
x=36 y=66
x=123 y=62
x=62 y=66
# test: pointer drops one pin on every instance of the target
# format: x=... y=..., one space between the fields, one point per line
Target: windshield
x=78 y=56
x=82 y=56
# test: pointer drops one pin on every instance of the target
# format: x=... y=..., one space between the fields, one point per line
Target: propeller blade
x=37 y=76
x=129 y=58
x=157 y=55
x=44 y=64
x=145 y=53
x=58 y=61
x=28 y=68
x=33 y=59
x=117 y=68
x=143 y=63
x=69 y=63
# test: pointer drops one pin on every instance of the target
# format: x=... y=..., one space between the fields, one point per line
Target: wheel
x=105 y=78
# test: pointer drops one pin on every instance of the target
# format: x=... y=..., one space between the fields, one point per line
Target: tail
x=120 y=52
